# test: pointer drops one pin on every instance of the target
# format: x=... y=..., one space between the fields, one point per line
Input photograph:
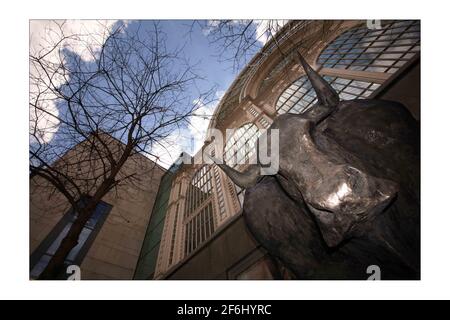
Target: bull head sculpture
x=346 y=175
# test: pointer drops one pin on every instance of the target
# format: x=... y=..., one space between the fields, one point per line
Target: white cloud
x=90 y=35
x=263 y=27
x=43 y=34
x=166 y=151
x=199 y=122
x=210 y=25
x=189 y=139
x=266 y=28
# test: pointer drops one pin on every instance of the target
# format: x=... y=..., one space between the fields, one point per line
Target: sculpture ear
x=346 y=214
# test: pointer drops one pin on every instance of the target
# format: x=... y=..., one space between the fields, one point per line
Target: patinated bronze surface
x=347 y=192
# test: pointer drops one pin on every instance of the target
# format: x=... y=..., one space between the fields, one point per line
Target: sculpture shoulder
x=373 y=108
x=287 y=121
x=364 y=114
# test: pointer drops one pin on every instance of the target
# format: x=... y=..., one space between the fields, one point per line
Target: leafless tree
x=96 y=106
x=238 y=41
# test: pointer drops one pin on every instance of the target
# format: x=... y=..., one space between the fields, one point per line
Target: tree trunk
x=56 y=263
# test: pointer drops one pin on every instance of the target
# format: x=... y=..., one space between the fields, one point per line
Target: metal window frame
x=199 y=222
x=337 y=52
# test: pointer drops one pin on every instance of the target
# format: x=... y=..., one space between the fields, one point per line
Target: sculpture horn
x=244 y=179
x=326 y=95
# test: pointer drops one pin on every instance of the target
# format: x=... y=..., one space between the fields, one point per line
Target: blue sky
x=217 y=73
x=196 y=47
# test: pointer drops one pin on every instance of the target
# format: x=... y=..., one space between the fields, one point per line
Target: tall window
x=199 y=191
x=199 y=210
x=220 y=197
x=42 y=255
x=240 y=148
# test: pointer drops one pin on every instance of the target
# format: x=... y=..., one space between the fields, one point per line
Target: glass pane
x=359 y=52
x=55 y=244
x=40 y=266
x=346 y=88
x=81 y=241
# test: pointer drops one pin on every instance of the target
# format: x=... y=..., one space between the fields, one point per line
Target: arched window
x=199 y=210
x=241 y=146
x=356 y=62
x=364 y=49
x=300 y=95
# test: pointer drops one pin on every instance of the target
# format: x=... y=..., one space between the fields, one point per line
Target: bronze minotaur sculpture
x=346 y=196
